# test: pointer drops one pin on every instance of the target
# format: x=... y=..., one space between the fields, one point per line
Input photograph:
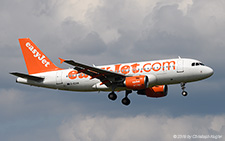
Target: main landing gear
x=184 y=93
x=112 y=96
x=125 y=100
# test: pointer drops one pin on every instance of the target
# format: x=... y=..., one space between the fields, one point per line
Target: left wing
x=106 y=77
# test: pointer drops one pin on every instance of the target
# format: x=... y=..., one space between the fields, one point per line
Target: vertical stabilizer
x=36 y=61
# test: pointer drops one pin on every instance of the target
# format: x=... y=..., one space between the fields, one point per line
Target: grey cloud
x=45 y=8
x=72 y=30
x=140 y=127
x=89 y=45
x=171 y=33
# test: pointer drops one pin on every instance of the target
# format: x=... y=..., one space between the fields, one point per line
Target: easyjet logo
x=147 y=67
x=74 y=74
x=133 y=68
x=37 y=55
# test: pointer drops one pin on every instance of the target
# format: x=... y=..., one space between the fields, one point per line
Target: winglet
x=61 y=60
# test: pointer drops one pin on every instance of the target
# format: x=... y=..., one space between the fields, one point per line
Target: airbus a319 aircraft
x=148 y=78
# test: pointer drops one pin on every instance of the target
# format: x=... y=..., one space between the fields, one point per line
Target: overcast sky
x=112 y=31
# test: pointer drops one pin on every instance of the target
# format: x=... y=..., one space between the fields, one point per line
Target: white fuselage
x=160 y=72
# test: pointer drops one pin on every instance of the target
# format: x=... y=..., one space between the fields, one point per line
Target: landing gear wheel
x=112 y=96
x=184 y=93
x=126 y=101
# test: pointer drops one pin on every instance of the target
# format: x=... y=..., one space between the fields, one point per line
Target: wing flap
x=27 y=76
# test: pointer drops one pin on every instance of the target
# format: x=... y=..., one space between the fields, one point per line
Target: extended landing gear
x=112 y=96
x=184 y=93
x=126 y=100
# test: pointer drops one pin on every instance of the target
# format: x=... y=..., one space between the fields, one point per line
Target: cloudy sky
x=102 y=32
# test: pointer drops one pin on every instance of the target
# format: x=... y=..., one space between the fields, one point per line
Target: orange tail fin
x=36 y=60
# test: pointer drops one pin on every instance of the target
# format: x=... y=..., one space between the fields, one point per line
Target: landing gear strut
x=126 y=100
x=184 y=93
x=112 y=95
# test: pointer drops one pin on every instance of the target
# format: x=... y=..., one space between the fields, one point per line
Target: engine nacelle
x=136 y=82
x=156 y=91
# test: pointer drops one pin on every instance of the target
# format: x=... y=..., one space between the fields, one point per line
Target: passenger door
x=59 y=78
x=180 y=65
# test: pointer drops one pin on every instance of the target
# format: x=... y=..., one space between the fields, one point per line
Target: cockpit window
x=201 y=64
x=197 y=64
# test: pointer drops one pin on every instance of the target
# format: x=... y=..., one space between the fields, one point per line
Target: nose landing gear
x=184 y=93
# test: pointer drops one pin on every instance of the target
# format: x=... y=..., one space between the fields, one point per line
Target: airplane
x=148 y=78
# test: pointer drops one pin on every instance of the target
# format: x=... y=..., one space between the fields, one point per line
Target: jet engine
x=136 y=82
x=156 y=91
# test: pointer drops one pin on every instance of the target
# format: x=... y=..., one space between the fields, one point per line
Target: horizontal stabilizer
x=27 y=76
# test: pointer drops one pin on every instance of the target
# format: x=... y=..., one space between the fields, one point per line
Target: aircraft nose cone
x=208 y=72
